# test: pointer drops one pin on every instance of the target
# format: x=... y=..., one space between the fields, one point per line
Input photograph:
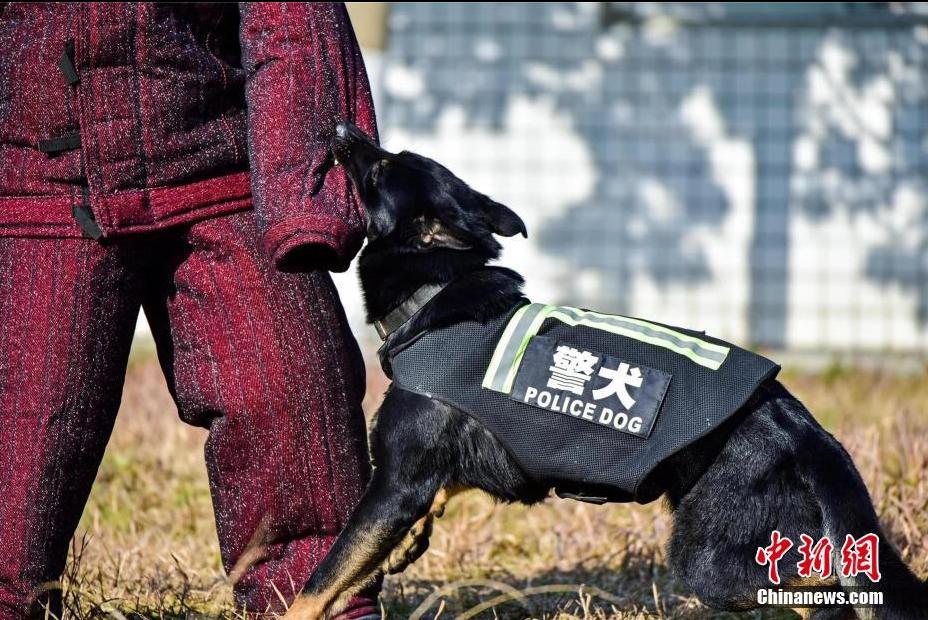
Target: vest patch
x=589 y=385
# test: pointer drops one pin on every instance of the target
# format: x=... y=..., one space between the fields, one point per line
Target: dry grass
x=147 y=543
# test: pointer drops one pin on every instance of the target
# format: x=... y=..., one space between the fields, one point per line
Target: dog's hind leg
x=752 y=489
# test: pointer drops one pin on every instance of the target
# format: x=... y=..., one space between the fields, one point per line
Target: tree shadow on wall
x=626 y=81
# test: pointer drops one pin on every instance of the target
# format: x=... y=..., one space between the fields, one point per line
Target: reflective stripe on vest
x=526 y=322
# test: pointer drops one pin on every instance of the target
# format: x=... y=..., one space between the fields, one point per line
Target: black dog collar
x=397 y=317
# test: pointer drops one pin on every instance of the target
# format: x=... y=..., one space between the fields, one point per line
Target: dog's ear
x=501 y=219
x=434 y=234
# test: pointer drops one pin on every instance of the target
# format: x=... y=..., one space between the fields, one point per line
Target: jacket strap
x=66 y=65
x=67 y=142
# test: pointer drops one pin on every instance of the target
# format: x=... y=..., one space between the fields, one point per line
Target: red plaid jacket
x=129 y=117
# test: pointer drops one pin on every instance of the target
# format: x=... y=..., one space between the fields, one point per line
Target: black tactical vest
x=583 y=400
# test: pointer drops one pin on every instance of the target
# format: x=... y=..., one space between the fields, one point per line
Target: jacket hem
x=139 y=211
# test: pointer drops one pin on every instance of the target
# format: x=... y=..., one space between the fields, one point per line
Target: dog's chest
x=588 y=402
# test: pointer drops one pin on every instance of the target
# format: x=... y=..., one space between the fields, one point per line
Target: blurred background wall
x=757 y=170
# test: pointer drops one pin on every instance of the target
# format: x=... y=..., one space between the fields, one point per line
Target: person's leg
x=67 y=315
x=266 y=362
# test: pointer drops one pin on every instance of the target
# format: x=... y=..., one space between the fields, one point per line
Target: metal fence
x=757 y=170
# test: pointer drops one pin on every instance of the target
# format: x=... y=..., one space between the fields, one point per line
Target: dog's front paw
x=411 y=548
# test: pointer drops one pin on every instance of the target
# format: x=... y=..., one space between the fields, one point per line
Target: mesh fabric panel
x=449 y=364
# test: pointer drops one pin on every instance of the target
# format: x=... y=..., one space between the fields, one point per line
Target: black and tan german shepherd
x=769 y=467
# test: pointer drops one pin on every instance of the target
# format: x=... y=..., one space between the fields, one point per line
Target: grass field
x=147 y=543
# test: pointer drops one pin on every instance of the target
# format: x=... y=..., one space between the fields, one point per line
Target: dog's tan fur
x=356 y=574
x=810 y=582
x=410 y=549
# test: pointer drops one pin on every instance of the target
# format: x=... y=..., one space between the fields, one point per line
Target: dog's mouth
x=340 y=144
x=350 y=141
x=354 y=151
x=340 y=151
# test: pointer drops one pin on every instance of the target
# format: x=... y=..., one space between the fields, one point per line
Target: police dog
x=769 y=467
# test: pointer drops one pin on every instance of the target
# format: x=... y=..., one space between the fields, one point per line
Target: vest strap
x=579 y=496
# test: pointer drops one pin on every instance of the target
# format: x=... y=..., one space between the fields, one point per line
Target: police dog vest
x=583 y=400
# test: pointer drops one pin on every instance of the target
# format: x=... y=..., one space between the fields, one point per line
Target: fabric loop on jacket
x=67 y=142
x=66 y=64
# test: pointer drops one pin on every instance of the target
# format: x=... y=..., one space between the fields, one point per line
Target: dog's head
x=416 y=204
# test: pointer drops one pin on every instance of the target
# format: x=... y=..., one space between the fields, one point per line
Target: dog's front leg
x=417 y=540
x=388 y=509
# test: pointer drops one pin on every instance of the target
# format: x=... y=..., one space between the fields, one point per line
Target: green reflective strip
x=508 y=345
x=707 y=349
x=526 y=322
x=699 y=351
x=532 y=328
x=493 y=368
